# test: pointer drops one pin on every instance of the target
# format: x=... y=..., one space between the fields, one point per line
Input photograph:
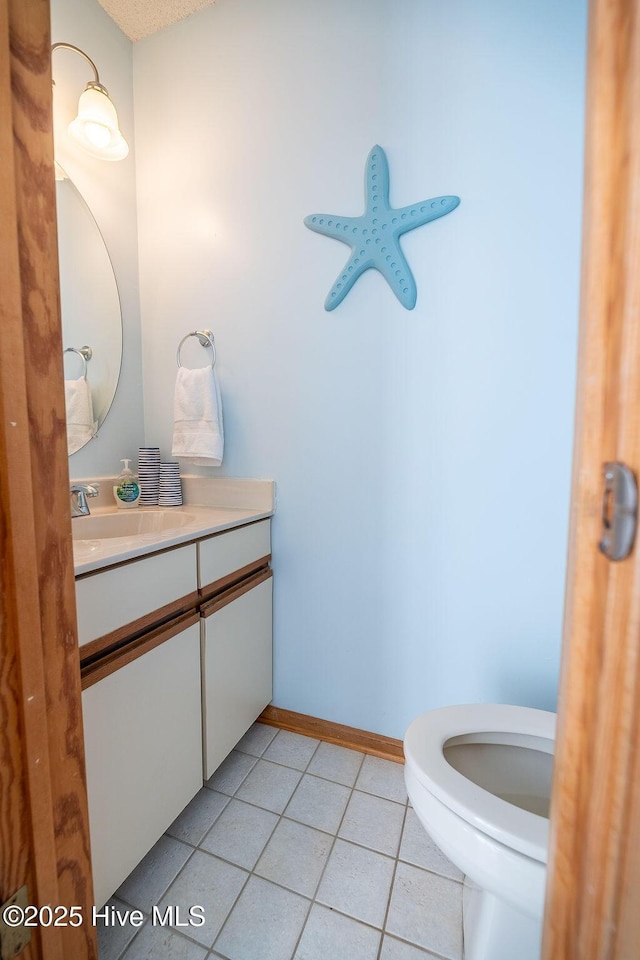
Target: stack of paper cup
x=149 y=475
x=170 y=485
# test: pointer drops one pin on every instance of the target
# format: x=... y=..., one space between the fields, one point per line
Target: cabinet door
x=110 y=599
x=143 y=743
x=237 y=667
x=225 y=553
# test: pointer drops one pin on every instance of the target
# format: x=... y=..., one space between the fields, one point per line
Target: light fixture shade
x=96 y=126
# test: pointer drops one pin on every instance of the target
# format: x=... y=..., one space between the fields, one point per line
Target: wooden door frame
x=593 y=888
x=594 y=869
x=44 y=834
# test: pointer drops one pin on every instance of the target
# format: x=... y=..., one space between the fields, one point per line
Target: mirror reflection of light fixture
x=95 y=128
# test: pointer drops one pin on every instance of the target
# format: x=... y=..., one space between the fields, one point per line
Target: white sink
x=130 y=523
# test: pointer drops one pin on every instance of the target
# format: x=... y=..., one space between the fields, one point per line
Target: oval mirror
x=91 y=315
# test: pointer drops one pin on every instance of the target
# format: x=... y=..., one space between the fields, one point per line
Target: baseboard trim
x=373 y=743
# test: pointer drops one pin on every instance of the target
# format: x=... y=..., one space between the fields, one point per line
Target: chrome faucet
x=79 y=493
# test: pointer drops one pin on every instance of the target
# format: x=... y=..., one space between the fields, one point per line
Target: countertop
x=193 y=521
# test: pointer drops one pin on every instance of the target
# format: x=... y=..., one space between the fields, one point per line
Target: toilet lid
x=423 y=746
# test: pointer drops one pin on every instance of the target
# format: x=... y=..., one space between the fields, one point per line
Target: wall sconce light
x=95 y=128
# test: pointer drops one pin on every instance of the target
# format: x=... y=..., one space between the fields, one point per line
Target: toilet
x=479 y=779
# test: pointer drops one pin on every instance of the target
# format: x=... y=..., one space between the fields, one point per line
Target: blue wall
x=422 y=458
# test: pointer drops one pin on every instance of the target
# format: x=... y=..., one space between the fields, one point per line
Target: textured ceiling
x=139 y=18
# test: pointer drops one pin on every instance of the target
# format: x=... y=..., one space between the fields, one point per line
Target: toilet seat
x=424 y=744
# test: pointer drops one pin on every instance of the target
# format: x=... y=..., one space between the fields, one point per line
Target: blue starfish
x=374 y=237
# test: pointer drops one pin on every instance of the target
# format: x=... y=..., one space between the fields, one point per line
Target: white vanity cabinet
x=176 y=663
x=143 y=747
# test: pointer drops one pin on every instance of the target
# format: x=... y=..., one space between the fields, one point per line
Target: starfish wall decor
x=374 y=237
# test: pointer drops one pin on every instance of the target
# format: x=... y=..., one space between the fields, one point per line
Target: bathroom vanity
x=174 y=628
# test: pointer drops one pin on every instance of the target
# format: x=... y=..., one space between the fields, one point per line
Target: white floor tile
x=153 y=942
x=265 y=923
x=374 y=822
x=240 y=833
x=145 y=885
x=336 y=763
x=384 y=778
x=198 y=816
x=418 y=848
x=427 y=910
x=393 y=949
x=269 y=915
x=256 y=739
x=330 y=936
x=269 y=785
x=357 y=882
x=210 y=883
x=318 y=803
x=113 y=939
x=295 y=857
x=231 y=772
x=291 y=749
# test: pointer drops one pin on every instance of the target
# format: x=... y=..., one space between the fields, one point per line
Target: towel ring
x=85 y=353
x=206 y=339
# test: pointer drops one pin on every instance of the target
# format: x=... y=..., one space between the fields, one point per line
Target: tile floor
x=297 y=850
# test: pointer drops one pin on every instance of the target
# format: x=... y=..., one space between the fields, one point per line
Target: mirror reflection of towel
x=198 y=434
x=81 y=426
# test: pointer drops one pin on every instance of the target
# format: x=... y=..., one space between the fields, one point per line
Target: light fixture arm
x=70 y=46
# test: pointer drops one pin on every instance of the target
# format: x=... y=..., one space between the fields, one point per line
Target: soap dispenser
x=127 y=490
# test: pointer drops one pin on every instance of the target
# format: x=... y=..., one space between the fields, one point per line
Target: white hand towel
x=81 y=426
x=198 y=434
